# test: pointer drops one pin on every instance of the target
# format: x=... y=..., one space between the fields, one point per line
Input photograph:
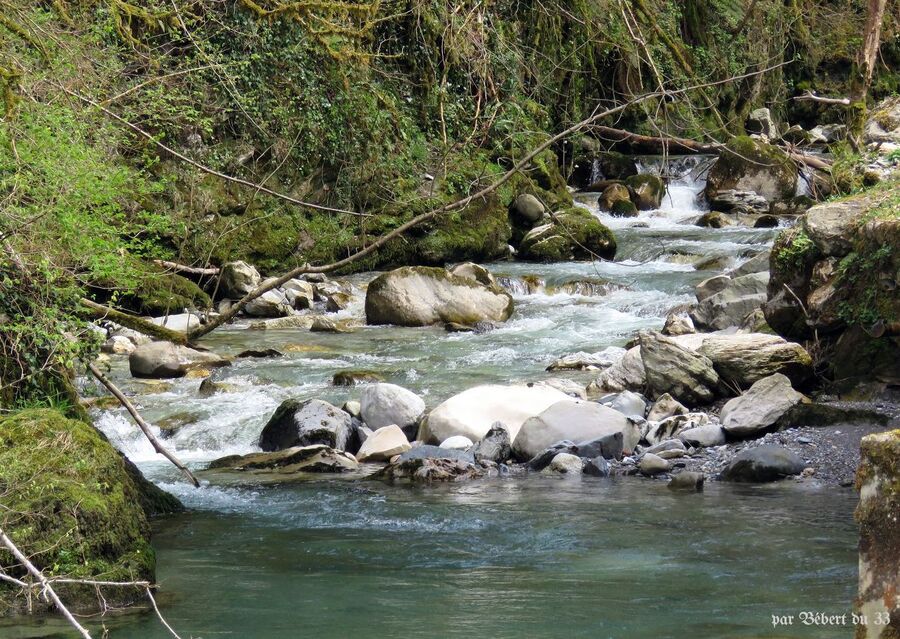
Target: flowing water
x=533 y=557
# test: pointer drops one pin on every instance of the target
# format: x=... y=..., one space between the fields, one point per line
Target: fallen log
x=655 y=144
x=189 y=270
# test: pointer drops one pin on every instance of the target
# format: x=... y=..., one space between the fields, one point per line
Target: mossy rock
x=157 y=292
x=617 y=166
x=574 y=234
x=623 y=208
x=76 y=507
x=647 y=191
x=746 y=164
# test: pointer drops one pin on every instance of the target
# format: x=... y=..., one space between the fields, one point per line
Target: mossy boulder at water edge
x=422 y=296
x=574 y=234
x=647 y=191
x=76 y=507
x=746 y=164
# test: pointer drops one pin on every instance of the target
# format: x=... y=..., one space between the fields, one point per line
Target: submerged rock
x=351 y=378
x=421 y=296
x=687 y=480
x=297 y=459
x=651 y=464
x=765 y=463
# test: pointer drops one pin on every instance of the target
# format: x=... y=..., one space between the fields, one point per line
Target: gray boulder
x=674 y=369
x=678 y=324
x=422 y=296
x=272 y=303
x=673 y=426
x=651 y=464
x=494 y=446
x=647 y=191
x=765 y=463
x=760 y=406
x=306 y=423
x=295 y=460
x=565 y=464
x=596 y=467
x=527 y=209
x=733 y=201
x=665 y=406
x=628 y=403
x=687 y=480
x=572 y=420
x=236 y=279
x=160 y=360
x=710 y=286
x=744 y=358
x=761 y=121
x=543 y=458
x=427 y=451
x=703 y=436
x=385 y=404
x=752 y=165
x=610 y=446
x=759 y=263
x=474 y=272
x=626 y=374
x=382 y=444
x=733 y=303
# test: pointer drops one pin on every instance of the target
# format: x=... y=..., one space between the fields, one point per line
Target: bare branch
x=812 y=97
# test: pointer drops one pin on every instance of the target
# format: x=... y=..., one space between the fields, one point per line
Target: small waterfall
x=524 y=285
x=685 y=177
x=587 y=288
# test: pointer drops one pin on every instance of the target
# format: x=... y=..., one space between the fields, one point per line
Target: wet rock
x=759 y=263
x=820 y=414
x=118 y=345
x=628 y=403
x=540 y=461
x=427 y=451
x=572 y=420
x=648 y=191
x=665 y=406
x=713 y=220
x=494 y=446
x=596 y=467
x=159 y=360
x=678 y=324
x=672 y=427
x=565 y=464
x=236 y=279
x=765 y=463
x=527 y=209
x=306 y=423
x=687 y=480
x=626 y=374
x=300 y=294
x=473 y=412
x=457 y=442
x=729 y=306
x=383 y=444
x=711 y=286
x=352 y=408
x=474 y=272
x=259 y=354
x=171 y=424
x=293 y=321
x=760 y=406
x=672 y=368
x=574 y=234
x=765 y=222
x=623 y=208
x=582 y=361
x=703 y=436
x=351 y=378
x=213 y=385
x=611 y=195
x=611 y=446
x=298 y=459
x=651 y=464
x=430 y=470
x=420 y=296
x=752 y=165
x=327 y=325
x=335 y=302
x=180 y=322
x=385 y=404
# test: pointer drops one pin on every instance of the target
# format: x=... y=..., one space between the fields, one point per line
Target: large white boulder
x=385 y=404
x=472 y=412
x=236 y=279
x=760 y=406
x=576 y=421
x=421 y=296
x=383 y=444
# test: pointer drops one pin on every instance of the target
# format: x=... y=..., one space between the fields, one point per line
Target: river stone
x=386 y=404
x=832 y=226
x=474 y=272
x=665 y=406
x=729 y=306
x=711 y=286
x=305 y=423
x=611 y=195
x=582 y=361
x=678 y=324
x=648 y=191
x=159 y=360
x=457 y=442
x=473 y=412
x=626 y=374
x=422 y=296
x=574 y=234
x=565 y=464
x=297 y=459
x=759 y=263
x=703 y=436
x=180 y=322
x=596 y=467
x=272 y=303
x=352 y=378
x=335 y=302
x=118 y=345
x=426 y=451
x=568 y=386
x=673 y=426
x=572 y=420
x=734 y=201
x=542 y=459
x=610 y=446
x=628 y=403
x=687 y=480
x=494 y=446
x=651 y=464
x=299 y=294
x=666 y=445
x=760 y=406
x=760 y=121
x=746 y=164
x=236 y=279
x=768 y=462
x=352 y=408
x=322 y=324
x=674 y=369
x=527 y=209
x=744 y=358
x=430 y=470
x=382 y=444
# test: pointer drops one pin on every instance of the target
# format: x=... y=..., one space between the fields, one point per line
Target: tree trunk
x=863 y=70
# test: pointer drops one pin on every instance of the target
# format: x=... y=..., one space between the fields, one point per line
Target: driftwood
x=654 y=144
x=189 y=270
x=812 y=97
x=144 y=426
x=98 y=311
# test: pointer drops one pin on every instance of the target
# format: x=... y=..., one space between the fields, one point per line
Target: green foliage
x=795 y=253
x=861 y=277
x=71 y=506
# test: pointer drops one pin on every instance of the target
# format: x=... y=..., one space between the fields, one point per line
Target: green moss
x=794 y=250
x=72 y=505
x=743 y=156
x=623 y=208
x=575 y=234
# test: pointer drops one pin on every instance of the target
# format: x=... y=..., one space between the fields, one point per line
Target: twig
x=47 y=588
x=812 y=97
x=144 y=426
x=159 y=614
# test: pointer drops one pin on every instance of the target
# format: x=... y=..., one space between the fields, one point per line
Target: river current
x=526 y=557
